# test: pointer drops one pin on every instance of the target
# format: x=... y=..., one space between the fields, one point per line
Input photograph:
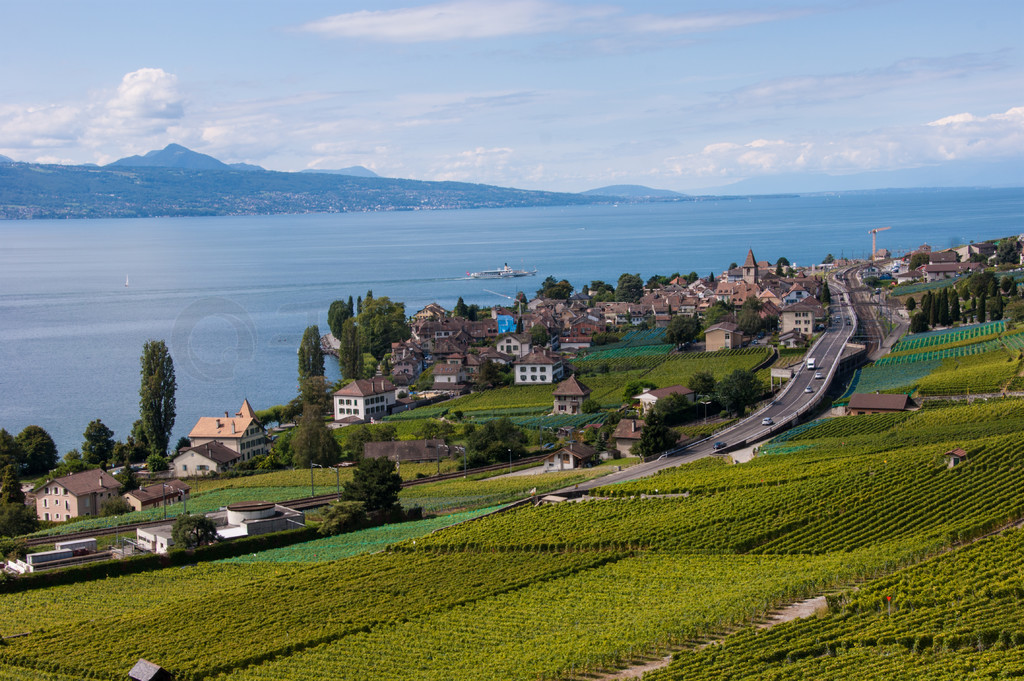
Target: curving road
x=790 y=404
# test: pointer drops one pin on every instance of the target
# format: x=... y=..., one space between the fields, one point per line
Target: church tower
x=750 y=268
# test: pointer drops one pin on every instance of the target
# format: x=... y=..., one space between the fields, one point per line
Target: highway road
x=790 y=404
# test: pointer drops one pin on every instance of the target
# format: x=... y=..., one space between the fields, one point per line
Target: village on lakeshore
x=553 y=397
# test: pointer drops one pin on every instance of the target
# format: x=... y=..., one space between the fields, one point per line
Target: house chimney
x=232 y=427
x=218 y=423
x=225 y=415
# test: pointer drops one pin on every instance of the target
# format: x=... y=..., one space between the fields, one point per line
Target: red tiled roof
x=896 y=402
x=571 y=387
x=366 y=387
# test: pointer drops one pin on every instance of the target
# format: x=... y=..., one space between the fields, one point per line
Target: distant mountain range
x=172 y=156
x=634 y=191
x=355 y=171
x=1008 y=173
x=176 y=181
x=177 y=156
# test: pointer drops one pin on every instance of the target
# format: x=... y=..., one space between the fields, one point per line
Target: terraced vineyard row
x=576 y=625
x=944 y=337
x=295 y=609
x=624 y=358
x=354 y=543
x=956 y=616
x=816 y=503
x=436 y=497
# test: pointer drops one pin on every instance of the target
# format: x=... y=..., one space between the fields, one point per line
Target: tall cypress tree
x=944 y=307
x=954 y=306
x=156 y=395
x=311 y=355
x=997 y=308
x=933 y=310
x=981 y=307
x=350 y=355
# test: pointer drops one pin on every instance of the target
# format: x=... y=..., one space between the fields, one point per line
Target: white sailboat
x=126 y=281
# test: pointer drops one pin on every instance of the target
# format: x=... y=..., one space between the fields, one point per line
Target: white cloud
x=804 y=89
x=33 y=127
x=474 y=19
x=147 y=93
x=960 y=137
x=453 y=21
x=475 y=165
x=702 y=23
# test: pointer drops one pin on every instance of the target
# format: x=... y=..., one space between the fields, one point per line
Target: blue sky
x=561 y=95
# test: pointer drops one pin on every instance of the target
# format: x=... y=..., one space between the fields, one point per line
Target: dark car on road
x=719 y=445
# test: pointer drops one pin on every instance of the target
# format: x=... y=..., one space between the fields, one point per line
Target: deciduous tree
x=38 y=449
x=702 y=382
x=10 y=488
x=630 y=288
x=17 y=519
x=655 y=437
x=381 y=323
x=313 y=441
x=342 y=516
x=376 y=483
x=115 y=506
x=98 y=445
x=682 y=329
x=738 y=390
x=11 y=453
x=190 y=531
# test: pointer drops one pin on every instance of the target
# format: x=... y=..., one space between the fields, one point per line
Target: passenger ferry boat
x=505 y=272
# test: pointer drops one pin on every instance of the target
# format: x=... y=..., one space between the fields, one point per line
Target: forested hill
x=31 y=191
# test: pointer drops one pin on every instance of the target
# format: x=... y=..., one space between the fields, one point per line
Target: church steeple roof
x=750 y=262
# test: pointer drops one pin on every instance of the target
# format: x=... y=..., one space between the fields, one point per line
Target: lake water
x=231 y=296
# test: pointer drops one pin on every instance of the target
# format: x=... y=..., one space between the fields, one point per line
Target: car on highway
x=719 y=445
x=818 y=375
x=767 y=421
x=808 y=389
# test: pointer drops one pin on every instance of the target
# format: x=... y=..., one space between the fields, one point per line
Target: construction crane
x=874 y=236
x=515 y=301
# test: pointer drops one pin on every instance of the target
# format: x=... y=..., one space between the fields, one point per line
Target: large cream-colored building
x=242 y=433
x=722 y=336
x=75 y=495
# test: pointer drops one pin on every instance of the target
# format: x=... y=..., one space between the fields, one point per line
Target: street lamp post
x=163 y=490
x=510 y=460
x=312 y=487
x=337 y=479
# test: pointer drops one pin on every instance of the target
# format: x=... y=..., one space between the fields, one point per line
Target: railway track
x=300 y=504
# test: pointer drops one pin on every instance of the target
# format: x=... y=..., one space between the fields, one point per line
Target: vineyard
x=918 y=341
x=296 y=608
x=536 y=632
x=573 y=590
x=435 y=497
x=956 y=616
x=355 y=543
x=973 y=359
x=624 y=358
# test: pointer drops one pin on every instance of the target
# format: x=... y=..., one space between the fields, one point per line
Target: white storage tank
x=249 y=510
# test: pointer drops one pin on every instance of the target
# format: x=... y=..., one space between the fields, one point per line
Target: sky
x=561 y=95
